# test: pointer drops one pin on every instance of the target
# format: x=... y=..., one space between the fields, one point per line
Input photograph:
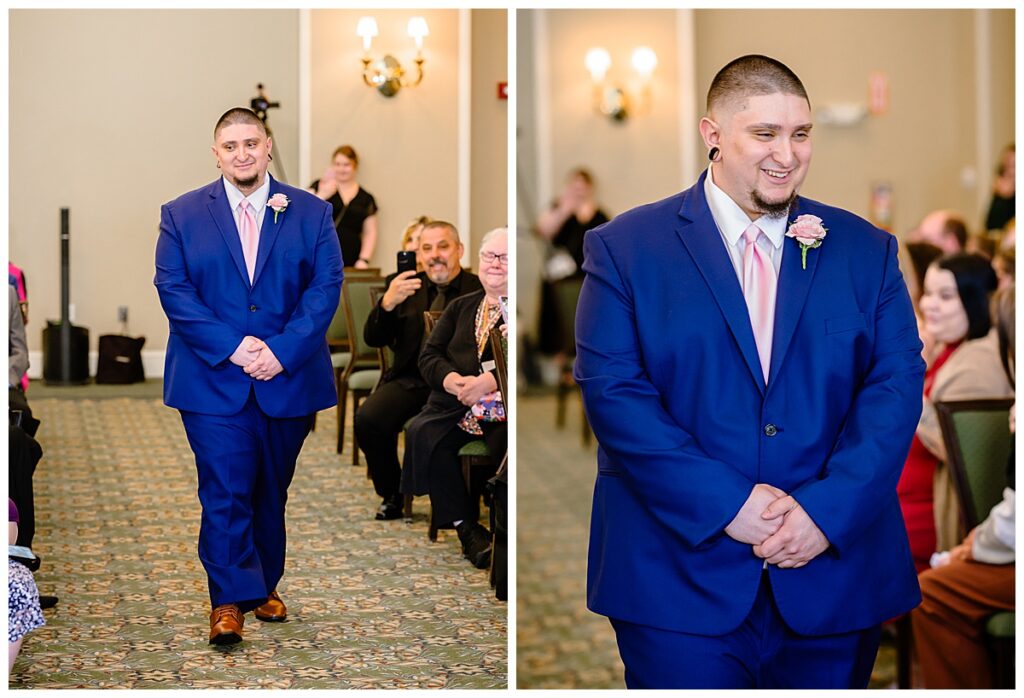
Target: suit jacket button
x=770 y=430
x=252 y=308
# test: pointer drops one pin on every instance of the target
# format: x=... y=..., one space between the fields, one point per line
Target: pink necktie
x=249 y=235
x=759 y=290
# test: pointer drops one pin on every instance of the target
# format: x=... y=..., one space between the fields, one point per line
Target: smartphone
x=504 y=308
x=406 y=261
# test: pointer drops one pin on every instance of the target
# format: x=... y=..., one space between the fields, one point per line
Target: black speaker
x=65 y=359
x=65 y=346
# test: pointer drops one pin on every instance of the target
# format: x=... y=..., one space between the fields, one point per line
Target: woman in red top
x=954 y=306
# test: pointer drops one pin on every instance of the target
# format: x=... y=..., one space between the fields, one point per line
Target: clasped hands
x=778 y=528
x=256 y=359
x=469 y=389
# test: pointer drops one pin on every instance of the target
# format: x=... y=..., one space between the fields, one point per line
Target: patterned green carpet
x=560 y=644
x=371 y=604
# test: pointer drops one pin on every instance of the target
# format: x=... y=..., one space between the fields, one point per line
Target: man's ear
x=710 y=132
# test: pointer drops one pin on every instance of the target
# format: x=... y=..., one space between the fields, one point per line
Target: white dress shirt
x=258 y=201
x=732 y=221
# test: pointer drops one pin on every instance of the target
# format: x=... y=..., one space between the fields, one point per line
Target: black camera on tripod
x=260 y=104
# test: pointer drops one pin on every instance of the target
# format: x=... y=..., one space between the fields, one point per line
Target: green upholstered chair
x=355 y=296
x=567 y=296
x=978 y=439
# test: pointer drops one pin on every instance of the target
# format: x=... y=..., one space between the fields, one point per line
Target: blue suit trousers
x=245 y=463
x=762 y=653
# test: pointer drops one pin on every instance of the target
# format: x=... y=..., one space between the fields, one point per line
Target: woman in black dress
x=354 y=208
x=564 y=226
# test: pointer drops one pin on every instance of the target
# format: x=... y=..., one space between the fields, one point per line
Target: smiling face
x=243 y=153
x=439 y=254
x=945 y=317
x=494 y=265
x=344 y=168
x=765 y=143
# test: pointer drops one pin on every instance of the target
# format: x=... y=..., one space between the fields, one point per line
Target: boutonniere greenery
x=809 y=232
x=278 y=203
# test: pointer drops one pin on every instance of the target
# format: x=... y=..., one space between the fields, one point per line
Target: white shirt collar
x=258 y=199
x=732 y=220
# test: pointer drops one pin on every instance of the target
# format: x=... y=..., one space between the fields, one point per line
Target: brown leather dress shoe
x=273 y=611
x=226 y=625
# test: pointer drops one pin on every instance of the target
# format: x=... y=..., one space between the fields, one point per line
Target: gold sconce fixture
x=613 y=100
x=387 y=74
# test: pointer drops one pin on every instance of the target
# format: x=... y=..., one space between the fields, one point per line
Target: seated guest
x=965 y=366
x=944 y=229
x=458 y=365
x=1005 y=266
x=17 y=365
x=411 y=238
x=975 y=580
x=23 y=612
x=397 y=322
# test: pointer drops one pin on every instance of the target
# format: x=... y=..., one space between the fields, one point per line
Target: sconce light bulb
x=367 y=29
x=417 y=29
x=598 y=61
x=644 y=61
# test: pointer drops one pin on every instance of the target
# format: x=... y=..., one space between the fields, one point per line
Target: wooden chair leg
x=357 y=397
x=407 y=507
x=904 y=643
x=342 y=399
x=560 y=396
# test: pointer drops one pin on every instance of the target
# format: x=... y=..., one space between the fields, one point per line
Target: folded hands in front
x=778 y=528
x=256 y=359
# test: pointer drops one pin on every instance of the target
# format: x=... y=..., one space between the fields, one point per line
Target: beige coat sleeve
x=973 y=372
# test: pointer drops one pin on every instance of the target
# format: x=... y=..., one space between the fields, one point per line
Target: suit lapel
x=701 y=237
x=222 y=216
x=794 y=286
x=268 y=231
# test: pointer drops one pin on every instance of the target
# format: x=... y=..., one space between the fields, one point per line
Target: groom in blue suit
x=249 y=274
x=754 y=395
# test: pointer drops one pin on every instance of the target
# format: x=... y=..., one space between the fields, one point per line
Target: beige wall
x=926 y=146
x=489 y=148
x=115 y=127
x=111 y=114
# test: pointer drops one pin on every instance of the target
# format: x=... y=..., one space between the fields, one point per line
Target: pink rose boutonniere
x=278 y=203
x=809 y=232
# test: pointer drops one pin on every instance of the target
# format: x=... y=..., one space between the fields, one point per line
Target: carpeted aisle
x=371 y=604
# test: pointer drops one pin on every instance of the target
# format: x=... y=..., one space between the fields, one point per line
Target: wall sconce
x=387 y=74
x=612 y=100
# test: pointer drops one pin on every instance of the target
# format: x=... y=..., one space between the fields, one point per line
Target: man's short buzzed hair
x=239 y=115
x=442 y=224
x=754 y=75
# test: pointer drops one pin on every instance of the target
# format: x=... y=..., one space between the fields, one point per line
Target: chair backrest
x=499 y=347
x=352 y=272
x=977 y=437
x=567 y=295
x=355 y=292
x=430 y=318
x=337 y=331
x=385 y=354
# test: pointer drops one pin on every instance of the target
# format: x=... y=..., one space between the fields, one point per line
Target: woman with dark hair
x=355 y=210
x=966 y=365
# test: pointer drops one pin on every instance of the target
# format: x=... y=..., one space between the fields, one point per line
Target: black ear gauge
x=713 y=153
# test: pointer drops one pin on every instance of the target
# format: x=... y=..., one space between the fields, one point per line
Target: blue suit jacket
x=204 y=289
x=674 y=391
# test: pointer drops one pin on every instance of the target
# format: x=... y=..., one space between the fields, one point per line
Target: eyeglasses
x=489 y=257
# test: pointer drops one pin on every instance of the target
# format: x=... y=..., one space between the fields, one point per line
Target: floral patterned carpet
x=371 y=604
